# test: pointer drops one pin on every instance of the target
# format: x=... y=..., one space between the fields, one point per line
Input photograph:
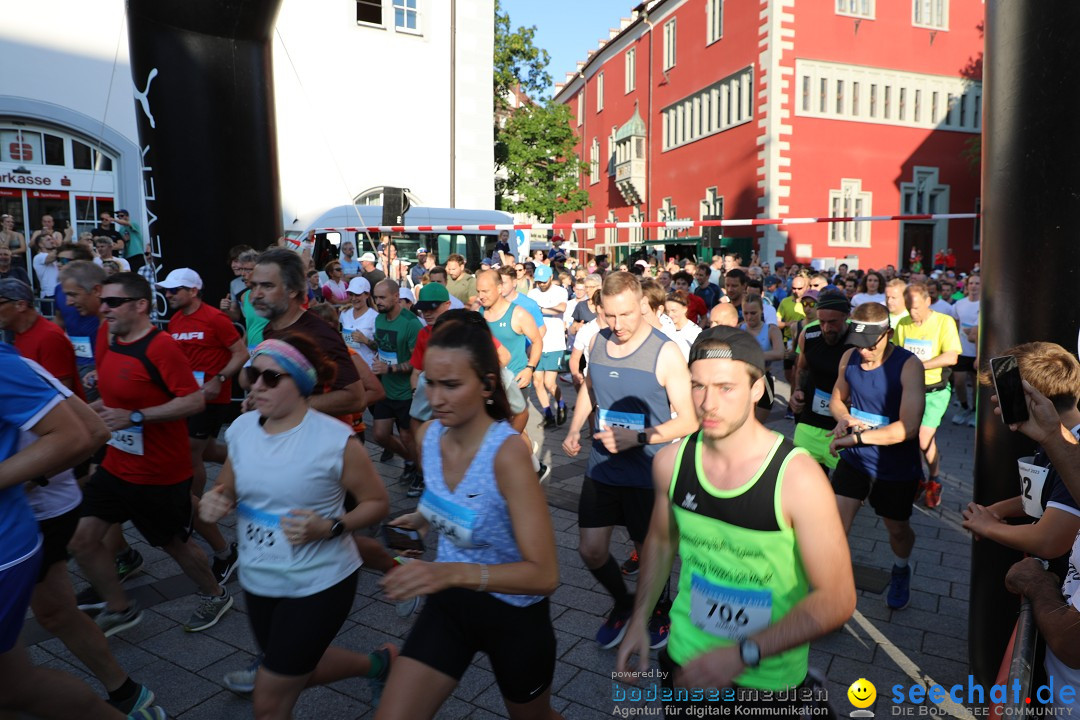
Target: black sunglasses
x=115 y=302
x=270 y=378
x=173 y=291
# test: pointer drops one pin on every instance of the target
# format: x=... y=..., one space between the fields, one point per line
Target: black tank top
x=822 y=362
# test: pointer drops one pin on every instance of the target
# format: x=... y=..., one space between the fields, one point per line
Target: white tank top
x=299 y=469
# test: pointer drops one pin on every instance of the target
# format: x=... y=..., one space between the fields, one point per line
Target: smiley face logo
x=862 y=693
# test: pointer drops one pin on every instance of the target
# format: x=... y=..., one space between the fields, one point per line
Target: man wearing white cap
x=216 y=352
x=358 y=321
x=369 y=269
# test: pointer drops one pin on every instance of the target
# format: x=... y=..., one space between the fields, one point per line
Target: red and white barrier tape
x=668 y=224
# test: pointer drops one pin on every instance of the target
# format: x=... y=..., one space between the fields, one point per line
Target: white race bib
x=727 y=612
x=82 y=347
x=390 y=358
x=262 y=541
x=869 y=419
x=200 y=376
x=922 y=349
x=820 y=404
x=454 y=522
x=346 y=335
x=1032 y=481
x=615 y=418
x=129 y=440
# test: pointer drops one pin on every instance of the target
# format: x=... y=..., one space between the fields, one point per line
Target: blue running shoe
x=660 y=625
x=899 y=594
x=611 y=632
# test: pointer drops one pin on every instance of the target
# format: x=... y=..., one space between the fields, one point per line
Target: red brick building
x=772 y=108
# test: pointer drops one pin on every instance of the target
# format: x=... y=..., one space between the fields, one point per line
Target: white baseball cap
x=407 y=294
x=359 y=286
x=367 y=257
x=181 y=277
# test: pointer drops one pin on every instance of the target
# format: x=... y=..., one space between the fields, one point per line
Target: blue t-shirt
x=529 y=304
x=27 y=397
x=82 y=329
x=349 y=267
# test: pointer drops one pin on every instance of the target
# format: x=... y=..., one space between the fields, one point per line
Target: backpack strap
x=138 y=350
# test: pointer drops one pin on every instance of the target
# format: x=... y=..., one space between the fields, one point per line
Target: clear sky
x=567 y=29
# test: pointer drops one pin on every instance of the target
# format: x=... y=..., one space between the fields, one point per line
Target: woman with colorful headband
x=288 y=469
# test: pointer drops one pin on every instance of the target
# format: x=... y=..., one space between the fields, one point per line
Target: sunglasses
x=173 y=291
x=115 y=302
x=270 y=378
x=64 y=261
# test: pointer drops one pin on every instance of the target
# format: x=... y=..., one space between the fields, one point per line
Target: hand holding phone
x=1009 y=389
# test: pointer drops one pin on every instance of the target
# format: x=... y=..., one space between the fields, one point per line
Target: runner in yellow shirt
x=789 y=314
x=933 y=338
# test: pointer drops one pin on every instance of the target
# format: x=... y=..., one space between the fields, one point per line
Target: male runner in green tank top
x=765 y=569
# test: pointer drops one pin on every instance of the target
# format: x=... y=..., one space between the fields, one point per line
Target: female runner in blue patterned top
x=496 y=561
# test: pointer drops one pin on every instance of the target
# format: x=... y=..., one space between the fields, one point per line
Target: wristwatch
x=531 y=367
x=337 y=528
x=221 y=377
x=642 y=438
x=749 y=653
x=137 y=417
x=858 y=437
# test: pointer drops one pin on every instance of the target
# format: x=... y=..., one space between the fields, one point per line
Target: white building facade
x=367 y=93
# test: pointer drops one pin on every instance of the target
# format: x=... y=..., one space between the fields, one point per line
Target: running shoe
x=566 y=378
x=660 y=625
x=560 y=416
x=961 y=416
x=611 y=632
x=210 y=610
x=243 y=681
x=144 y=698
x=632 y=564
x=544 y=473
x=388 y=653
x=899 y=594
x=128 y=563
x=921 y=490
x=549 y=421
x=933 y=494
x=972 y=419
x=223 y=569
x=113 y=622
x=150 y=713
x=88 y=599
x=387 y=456
x=416 y=485
x=789 y=415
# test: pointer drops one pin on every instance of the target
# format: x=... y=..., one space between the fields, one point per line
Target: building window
x=714 y=19
x=85 y=157
x=713 y=204
x=849 y=201
x=667 y=212
x=631 y=69
x=720 y=106
x=369 y=12
x=637 y=234
x=669 y=44
x=599 y=92
x=594 y=161
x=924 y=196
x=590 y=234
x=611 y=152
x=34 y=148
x=611 y=235
x=866 y=94
x=932 y=14
x=856 y=8
x=580 y=107
x=406 y=15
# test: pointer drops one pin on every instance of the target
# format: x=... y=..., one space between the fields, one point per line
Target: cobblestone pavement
x=925 y=643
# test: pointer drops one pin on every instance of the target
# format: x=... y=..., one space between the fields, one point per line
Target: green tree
x=534 y=143
x=542 y=167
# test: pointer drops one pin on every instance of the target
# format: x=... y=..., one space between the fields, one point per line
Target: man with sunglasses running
x=147 y=390
x=216 y=353
x=878 y=402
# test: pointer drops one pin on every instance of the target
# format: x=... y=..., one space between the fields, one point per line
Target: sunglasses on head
x=270 y=378
x=115 y=302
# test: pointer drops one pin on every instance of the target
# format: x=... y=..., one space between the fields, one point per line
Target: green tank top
x=741 y=570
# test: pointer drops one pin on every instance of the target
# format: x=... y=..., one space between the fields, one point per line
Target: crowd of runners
x=109 y=417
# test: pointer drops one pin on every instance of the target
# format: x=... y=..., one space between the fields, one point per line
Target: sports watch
x=221 y=377
x=749 y=653
x=642 y=439
x=337 y=528
x=137 y=418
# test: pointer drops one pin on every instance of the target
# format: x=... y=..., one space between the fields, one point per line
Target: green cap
x=432 y=296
